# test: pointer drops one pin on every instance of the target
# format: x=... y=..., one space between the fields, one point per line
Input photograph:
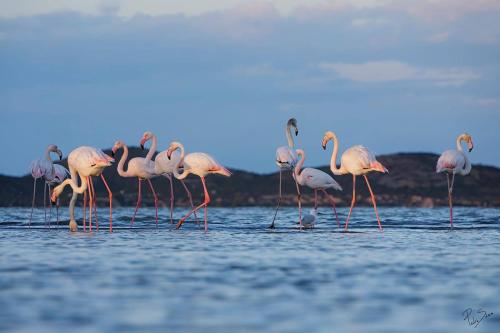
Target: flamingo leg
x=315 y=199
x=139 y=199
x=203 y=204
x=450 y=200
x=171 y=199
x=45 y=202
x=85 y=209
x=57 y=211
x=156 y=201
x=278 y=206
x=190 y=197
x=50 y=206
x=95 y=205
x=33 y=201
x=353 y=201
x=91 y=202
x=299 y=201
x=374 y=202
x=110 y=198
x=333 y=206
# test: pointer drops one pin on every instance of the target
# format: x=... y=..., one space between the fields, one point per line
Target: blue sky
x=224 y=76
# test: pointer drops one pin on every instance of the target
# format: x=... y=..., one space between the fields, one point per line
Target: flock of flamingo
x=86 y=162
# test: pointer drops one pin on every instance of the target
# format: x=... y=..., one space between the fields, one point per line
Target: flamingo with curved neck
x=200 y=164
x=455 y=162
x=356 y=160
x=317 y=180
x=286 y=159
x=44 y=168
x=142 y=168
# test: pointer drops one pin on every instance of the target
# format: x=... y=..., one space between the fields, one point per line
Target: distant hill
x=412 y=181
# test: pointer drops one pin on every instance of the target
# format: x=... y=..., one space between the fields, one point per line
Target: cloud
x=392 y=71
x=439 y=37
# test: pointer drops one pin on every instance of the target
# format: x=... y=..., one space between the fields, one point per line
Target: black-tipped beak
x=112 y=153
x=142 y=146
x=296 y=132
x=60 y=157
x=54 y=202
x=324 y=147
x=470 y=149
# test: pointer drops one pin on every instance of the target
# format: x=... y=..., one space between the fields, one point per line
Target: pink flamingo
x=200 y=164
x=316 y=180
x=52 y=174
x=286 y=159
x=165 y=167
x=142 y=168
x=356 y=160
x=455 y=161
x=86 y=162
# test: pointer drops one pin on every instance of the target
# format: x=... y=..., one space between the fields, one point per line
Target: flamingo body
x=286 y=158
x=452 y=161
x=317 y=180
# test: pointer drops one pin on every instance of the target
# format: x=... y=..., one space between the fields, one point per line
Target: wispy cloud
x=390 y=71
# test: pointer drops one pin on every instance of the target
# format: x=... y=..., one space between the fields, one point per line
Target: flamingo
x=200 y=164
x=286 y=159
x=165 y=167
x=52 y=174
x=142 y=168
x=316 y=180
x=356 y=160
x=86 y=162
x=455 y=161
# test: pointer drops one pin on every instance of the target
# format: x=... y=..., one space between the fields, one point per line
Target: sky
x=223 y=77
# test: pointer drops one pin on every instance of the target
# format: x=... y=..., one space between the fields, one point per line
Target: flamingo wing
x=42 y=168
x=286 y=157
x=317 y=179
x=450 y=161
x=204 y=163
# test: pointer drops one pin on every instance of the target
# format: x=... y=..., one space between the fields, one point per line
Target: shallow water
x=416 y=276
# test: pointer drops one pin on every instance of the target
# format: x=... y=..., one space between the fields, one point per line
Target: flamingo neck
x=299 y=165
x=333 y=160
x=121 y=163
x=152 y=149
x=460 y=138
x=289 y=136
x=73 y=183
x=47 y=155
x=185 y=172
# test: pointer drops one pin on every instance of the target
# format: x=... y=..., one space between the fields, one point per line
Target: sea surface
x=415 y=276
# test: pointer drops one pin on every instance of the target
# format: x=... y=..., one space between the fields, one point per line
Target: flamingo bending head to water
x=200 y=164
x=317 y=180
x=356 y=160
x=454 y=161
x=85 y=162
x=286 y=159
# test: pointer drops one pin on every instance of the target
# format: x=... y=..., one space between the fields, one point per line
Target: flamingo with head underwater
x=140 y=167
x=356 y=160
x=200 y=164
x=85 y=162
x=165 y=167
x=454 y=161
x=52 y=174
x=286 y=159
x=317 y=180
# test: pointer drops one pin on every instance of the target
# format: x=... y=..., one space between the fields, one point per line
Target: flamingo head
x=468 y=139
x=145 y=137
x=173 y=147
x=56 y=192
x=55 y=149
x=292 y=122
x=328 y=136
x=118 y=144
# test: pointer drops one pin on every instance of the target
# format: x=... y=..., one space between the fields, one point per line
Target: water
x=416 y=276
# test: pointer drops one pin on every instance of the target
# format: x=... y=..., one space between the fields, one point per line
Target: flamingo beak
x=60 y=154
x=296 y=131
x=470 y=146
x=143 y=141
x=169 y=154
x=323 y=144
x=53 y=198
